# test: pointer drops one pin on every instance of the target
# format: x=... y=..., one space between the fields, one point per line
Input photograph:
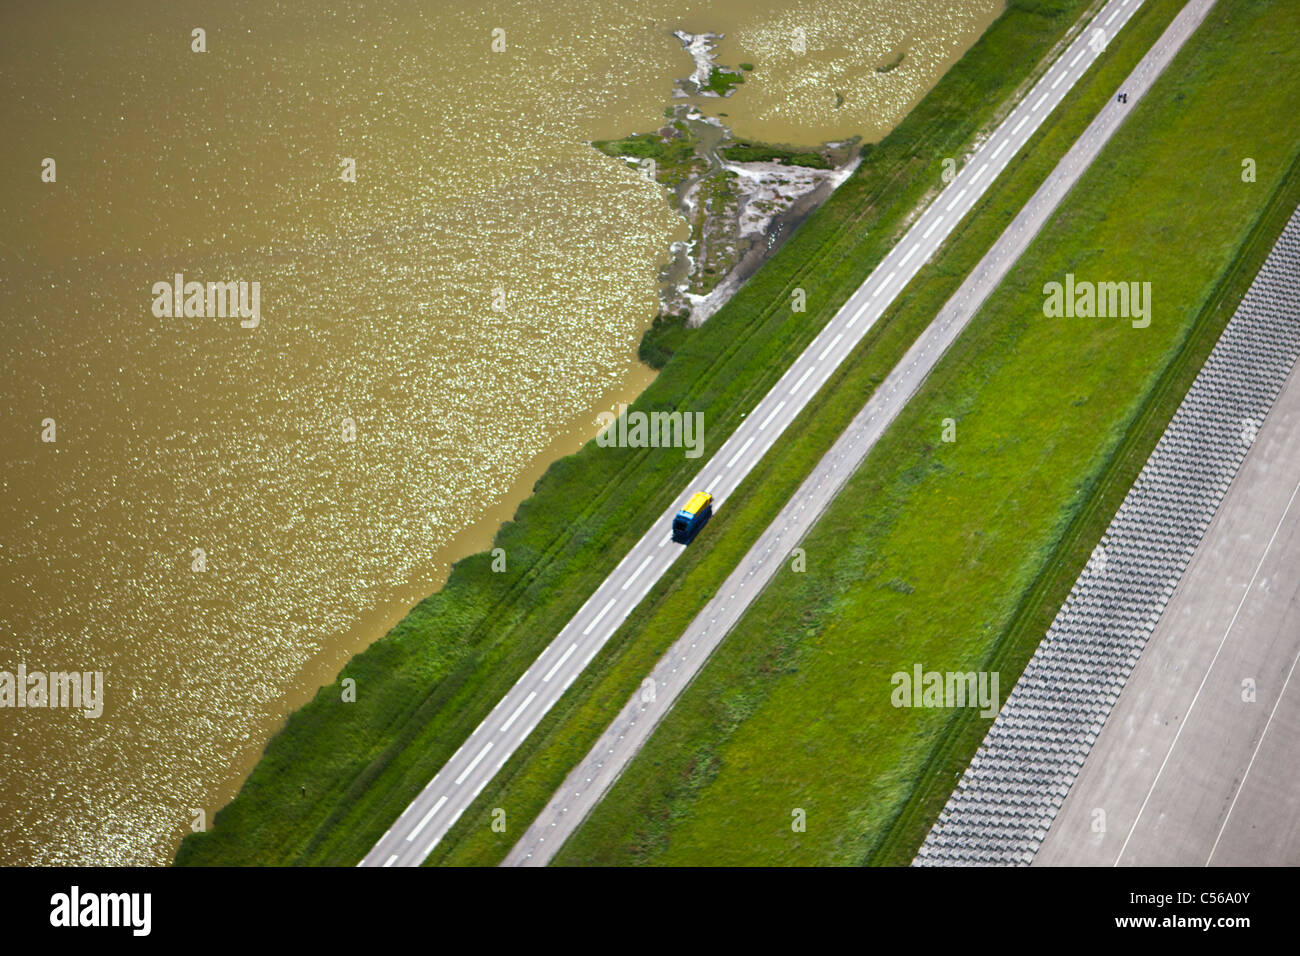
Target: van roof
x=697 y=502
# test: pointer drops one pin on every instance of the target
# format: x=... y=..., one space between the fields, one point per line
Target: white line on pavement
x=556 y=666
x=1242 y=784
x=596 y=620
x=528 y=700
x=741 y=452
x=812 y=368
x=427 y=817
x=473 y=763
x=1213 y=660
x=637 y=572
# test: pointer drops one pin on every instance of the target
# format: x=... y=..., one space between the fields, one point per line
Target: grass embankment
x=957 y=555
x=744 y=151
x=528 y=779
x=667 y=334
x=423 y=688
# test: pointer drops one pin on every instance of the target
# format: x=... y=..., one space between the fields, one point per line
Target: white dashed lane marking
x=556 y=666
x=473 y=763
x=427 y=817
x=739 y=453
x=778 y=408
x=522 y=707
x=636 y=573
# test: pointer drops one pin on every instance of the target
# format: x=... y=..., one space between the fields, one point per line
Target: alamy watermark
x=652 y=430
x=80 y=690
x=922 y=688
x=127 y=910
x=211 y=300
x=1085 y=300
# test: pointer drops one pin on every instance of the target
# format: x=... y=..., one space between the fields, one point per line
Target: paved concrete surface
x=1186 y=772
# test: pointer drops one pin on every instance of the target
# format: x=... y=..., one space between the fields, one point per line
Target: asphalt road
x=632 y=727
x=417 y=831
x=1187 y=772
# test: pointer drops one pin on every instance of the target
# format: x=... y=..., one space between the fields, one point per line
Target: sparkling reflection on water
x=473 y=176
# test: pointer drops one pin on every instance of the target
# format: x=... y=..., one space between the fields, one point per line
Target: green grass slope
x=956 y=555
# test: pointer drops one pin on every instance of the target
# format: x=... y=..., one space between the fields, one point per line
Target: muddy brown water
x=475 y=188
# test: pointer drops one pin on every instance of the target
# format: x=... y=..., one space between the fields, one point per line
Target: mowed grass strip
x=1035 y=614
x=337 y=775
x=525 y=783
x=945 y=554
